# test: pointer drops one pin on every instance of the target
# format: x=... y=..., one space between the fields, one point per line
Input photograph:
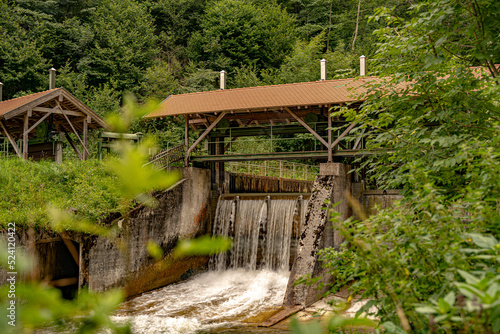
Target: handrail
x=167 y=157
x=282 y=169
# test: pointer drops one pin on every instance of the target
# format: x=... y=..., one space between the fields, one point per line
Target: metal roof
x=328 y=92
x=12 y=108
x=9 y=105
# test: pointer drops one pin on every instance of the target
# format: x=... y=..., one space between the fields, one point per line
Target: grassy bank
x=28 y=188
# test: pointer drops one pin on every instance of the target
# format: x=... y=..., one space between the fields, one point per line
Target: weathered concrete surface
x=51 y=259
x=331 y=184
x=182 y=212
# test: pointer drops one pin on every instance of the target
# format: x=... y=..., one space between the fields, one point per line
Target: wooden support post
x=72 y=249
x=11 y=140
x=346 y=131
x=220 y=165
x=359 y=139
x=39 y=121
x=85 y=138
x=203 y=135
x=72 y=143
x=59 y=148
x=304 y=124
x=186 y=138
x=25 y=135
x=72 y=127
x=330 y=148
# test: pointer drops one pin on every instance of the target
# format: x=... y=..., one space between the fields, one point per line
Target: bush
x=27 y=188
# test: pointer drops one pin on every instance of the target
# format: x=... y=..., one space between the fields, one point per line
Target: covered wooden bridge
x=36 y=124
x=224 y=115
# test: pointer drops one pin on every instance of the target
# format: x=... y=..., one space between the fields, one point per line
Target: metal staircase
x=168 y=156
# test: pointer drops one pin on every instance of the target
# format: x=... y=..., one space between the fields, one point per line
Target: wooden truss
x=67 y=114
x=285 y=115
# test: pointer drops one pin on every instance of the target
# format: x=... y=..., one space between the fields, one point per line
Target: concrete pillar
x=331 y=184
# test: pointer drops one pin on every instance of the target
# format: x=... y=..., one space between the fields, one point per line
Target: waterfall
x=262 y=231
x=244 y=284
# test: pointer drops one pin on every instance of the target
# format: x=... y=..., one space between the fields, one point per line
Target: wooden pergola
x=62 y=114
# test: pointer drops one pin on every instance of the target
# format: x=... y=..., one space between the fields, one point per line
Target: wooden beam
x=39 y=121
x=72 y=249
x=11 y=140
x=85 y=138
x=198 y=121
x=346 y=131
x=186 y=135
x=72 y=143
x=359 y=139
x=64 y=282
x=72 y=128
x=203 y=135
x=25 y=135
x=330 y=156
x=59 y=149
x=55 y=111
x=304 y=124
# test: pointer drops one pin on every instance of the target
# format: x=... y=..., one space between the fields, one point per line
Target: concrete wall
x=182 y=212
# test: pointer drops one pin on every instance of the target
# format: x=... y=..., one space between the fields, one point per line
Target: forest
x=430 y=263
x=105 y=48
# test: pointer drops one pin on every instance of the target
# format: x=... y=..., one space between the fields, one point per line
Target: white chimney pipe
x=362 y=66
x=1 y=91
x=323 y=69
x=222 y=79
x=52 y=78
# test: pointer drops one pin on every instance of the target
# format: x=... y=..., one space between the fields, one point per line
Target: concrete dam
x=277 y=227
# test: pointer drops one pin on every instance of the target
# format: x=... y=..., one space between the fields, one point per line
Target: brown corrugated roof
x=11 y=108
x=9 y=105
x=264 y=97
x=328 y=92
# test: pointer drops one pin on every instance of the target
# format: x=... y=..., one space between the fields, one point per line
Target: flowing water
x=244 y=286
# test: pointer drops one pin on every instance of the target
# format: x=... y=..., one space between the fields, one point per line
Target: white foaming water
x=207 y=301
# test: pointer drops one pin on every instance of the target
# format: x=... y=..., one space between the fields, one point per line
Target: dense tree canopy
x=237 y=32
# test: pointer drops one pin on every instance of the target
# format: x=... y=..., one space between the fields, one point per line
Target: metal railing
x=282 y=169
x=168 y=156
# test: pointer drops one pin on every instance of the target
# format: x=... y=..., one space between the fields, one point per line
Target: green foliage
x=38 y=306
x=341 y=265
x=160 y=81
x=22 y=66
x=205 y=245
x=236 y=32
x=27 y=188
x=175 y=21
x=123 y=44
x=436 y=124
x=473 y=304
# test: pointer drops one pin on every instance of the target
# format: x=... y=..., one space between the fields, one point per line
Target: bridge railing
x=282 y=169
x=168 y=156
